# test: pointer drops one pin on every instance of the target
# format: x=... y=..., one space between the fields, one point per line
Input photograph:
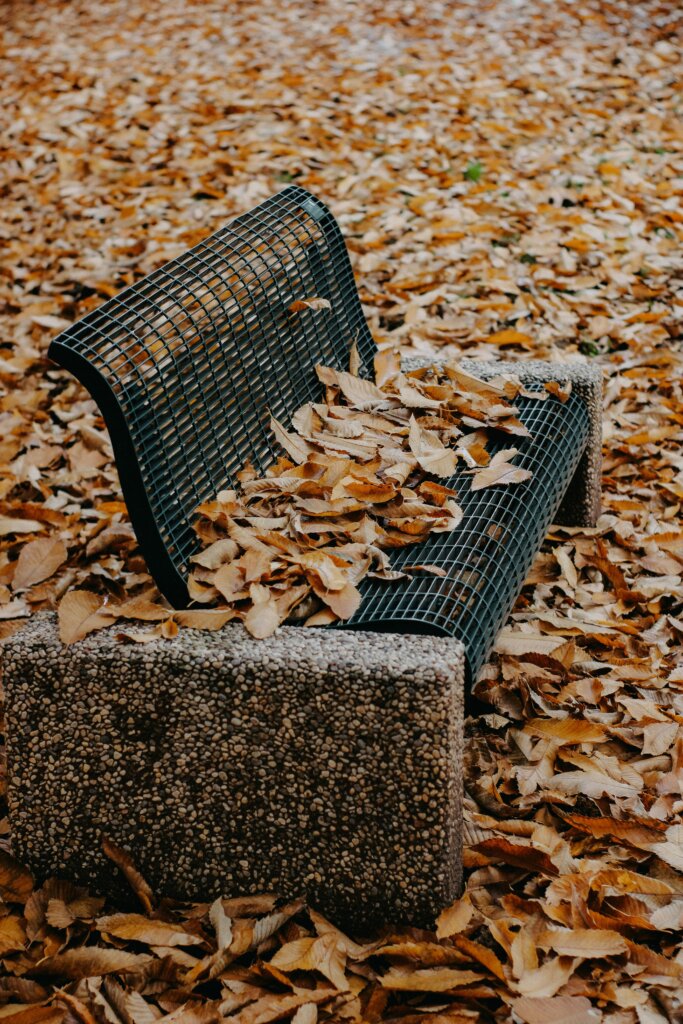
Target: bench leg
x=316 y=763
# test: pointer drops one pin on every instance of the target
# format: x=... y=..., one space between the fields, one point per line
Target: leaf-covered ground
x=508 y=178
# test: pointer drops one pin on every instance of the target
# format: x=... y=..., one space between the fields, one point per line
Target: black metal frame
x=188 y=364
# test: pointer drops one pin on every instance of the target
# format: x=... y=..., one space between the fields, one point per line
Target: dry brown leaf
x=33 y=1014
x=315 y=303
x=583 y=942
x=455 y=918
x=137 y=928
x=500 y=472
x=568 y=730
x=561 y=391
x=78 y=1008
x=203 y=618
x=216 y=554
x=546 y=981
x=16 y=882
x=88 y=962
x=434 y=979
x=306 y=1014
x=12 y=935
x=124 y=862
x=263 y=618
x=295 y=446
x=38 y=560
x=359 y=393
x=430 y=451
x=82 y=612
x=558 y=1009
x=10 y=525
x=275 y=1006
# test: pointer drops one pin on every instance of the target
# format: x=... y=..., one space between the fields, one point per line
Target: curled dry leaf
x=125 y=863
x=561 y=391
x=315 y=303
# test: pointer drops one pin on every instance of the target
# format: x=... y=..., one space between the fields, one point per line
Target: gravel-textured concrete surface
x=316 y=762
x=581 y=504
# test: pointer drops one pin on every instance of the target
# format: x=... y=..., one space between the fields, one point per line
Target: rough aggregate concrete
x=315 y=762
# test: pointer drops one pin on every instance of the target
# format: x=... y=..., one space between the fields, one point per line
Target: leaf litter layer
x=508 y=179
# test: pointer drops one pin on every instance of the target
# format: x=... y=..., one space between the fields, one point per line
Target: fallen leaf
x=88 y=962
x=455 y=918
x=16 y=882
x=500 y=472
x=435 y=979
x=137 y=928
x=558 y=1009
x=430 y=451
x=124 y=862
x=38 y=560
x=561 y=391
x=81 y=612
x=315 y=303
x=583 y=942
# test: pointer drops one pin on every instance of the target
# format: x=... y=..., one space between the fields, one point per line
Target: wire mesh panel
x=489 y=555
x=188 y=364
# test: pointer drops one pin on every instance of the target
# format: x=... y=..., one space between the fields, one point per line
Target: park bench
x=326 y=762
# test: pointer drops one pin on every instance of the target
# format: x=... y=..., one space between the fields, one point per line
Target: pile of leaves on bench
x=356 y=482
x=359 y=477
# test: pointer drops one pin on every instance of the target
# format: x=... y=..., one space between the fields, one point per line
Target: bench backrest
x=188 y=364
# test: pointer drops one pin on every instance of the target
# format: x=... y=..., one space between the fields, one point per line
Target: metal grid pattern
x=188 y=364
x=488 y=557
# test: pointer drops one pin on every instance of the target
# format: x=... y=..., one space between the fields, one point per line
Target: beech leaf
x=81 y=612
x=38 y=560
x=500 y=472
